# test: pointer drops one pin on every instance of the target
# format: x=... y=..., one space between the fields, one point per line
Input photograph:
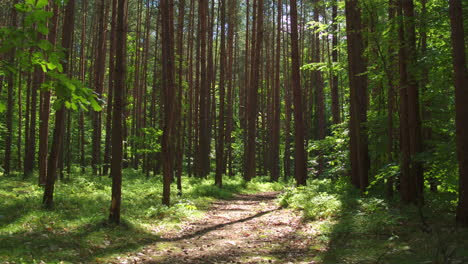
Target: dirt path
x=246 y=229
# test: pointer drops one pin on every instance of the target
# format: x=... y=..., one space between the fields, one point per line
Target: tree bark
x=118 y=106
x=168 y=84
x=60 y=114
x=300 y=160
x=221 y=123
x=203 y=137
x=257 y=42
x=336 y=116
x=358 y=96
x=461 y=97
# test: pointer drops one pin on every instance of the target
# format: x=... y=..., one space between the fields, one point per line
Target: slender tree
x=168 y=84
x=252 y=110
x=222 y=91
x=461 y=97
x=118 y=106
x=358 y=96
x=59 y=128
x=300 y=161
x=334 y=81
x=204 y=142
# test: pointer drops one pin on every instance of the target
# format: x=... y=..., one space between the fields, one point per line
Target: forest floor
x=325 y=222
x=249 y=228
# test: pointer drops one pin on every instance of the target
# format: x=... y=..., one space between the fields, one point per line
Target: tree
x=118 y=106
x=9 y=112
x=168 y=84
x=461 y=114
x=222 y=91
x=334 y=82
x=300 y=160
x=275 y=148
x=204 y=139
x=412 y=181
x=359 y=155
x=252 y=111
x=59 y=128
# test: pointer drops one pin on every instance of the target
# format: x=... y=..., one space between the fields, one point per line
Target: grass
x=76 y=230
x=372 y=229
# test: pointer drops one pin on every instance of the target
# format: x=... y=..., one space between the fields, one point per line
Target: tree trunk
x=221 y=122
x=99 y=71
x=9 y=112
x=275 y=133
x=168 y=84
x=412 y=181
x=204 y=142
x=59 y=129
x=336 y=117
x=257 y=42
x=118 y=106
x=108 y=146
x=300 y=161
x=358 y=96
x=461 y=97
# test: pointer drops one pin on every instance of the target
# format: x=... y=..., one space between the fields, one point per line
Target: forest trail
x=250 y=228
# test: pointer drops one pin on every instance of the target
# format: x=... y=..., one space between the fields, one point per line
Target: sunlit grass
x=373 y=229
x=76 y=229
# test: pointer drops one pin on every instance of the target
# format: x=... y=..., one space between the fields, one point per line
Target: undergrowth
x=355 y=228
x=76 y=230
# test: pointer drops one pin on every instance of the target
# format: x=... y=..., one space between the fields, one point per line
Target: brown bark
x=221 y=123
x=410 y=123
x=168 y=84
x=99 y=71
x=334 y=84
x=232 y=7
x=44 y=109
x=9 y=112
x=275 y=133
x=300 y=160
x=461 y=97
x=252 y=108
x=319 y=93
x=180 y=125
x=108 y=146
x=203 y=137
x=358 y=96
x=118 y=106
x=59 y=128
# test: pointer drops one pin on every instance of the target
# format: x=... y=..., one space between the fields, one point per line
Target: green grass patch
x=76 y=229
x=373 y=229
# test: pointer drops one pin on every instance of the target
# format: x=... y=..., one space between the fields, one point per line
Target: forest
x=227 y=131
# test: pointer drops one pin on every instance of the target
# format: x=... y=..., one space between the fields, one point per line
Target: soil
x=250 y=228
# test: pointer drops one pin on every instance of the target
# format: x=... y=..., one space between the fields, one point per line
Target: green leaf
x=2 y=108
x=43 y=29
x=41 y=3
x=94 y=104
x=22 y=8
x=44 y=44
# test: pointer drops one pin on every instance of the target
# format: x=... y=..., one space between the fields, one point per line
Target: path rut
x=250 y=228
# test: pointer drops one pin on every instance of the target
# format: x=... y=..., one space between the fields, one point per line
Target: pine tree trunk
x=358 y=96
x=299 y=155
x=221 y=122
x=118 y=106
x=461 y=97
x=60 y=114
x=168 y=84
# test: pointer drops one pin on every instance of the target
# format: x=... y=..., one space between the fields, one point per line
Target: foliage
x=335 y=150
x=350 y=228
x=31 y=52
